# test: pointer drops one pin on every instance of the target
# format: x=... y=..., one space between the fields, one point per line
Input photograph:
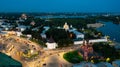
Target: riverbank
x=95 y=25
x=115 y=44
x=111 y=29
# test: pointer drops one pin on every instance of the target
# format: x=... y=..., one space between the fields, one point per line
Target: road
x=48 y=58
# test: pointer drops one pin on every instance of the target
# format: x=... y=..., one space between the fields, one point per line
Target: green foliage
x=57 y=34
x=36 y=35
x=40 y=42
x=65 y=42
x=76 y=22
x=27 y=31
x=73 y=57
x=38 y=21
x=92 y=34
x=110 y=18
x=60 y=36
x=106 y=50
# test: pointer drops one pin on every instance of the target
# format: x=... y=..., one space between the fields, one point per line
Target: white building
x=21 y=28
x=4 y=33
x=29 y=36
x=92 y=41
x=1 y=21
x=78 y=34
x=66 y=26
x=116 y=63
x=74 y=30
x=19 y=34
x=43 y=35
x=5 y=26
x=24 y=16
x=51 y=44
x=46 y=28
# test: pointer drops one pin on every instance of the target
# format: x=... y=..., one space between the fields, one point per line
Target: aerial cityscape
x=63 y=33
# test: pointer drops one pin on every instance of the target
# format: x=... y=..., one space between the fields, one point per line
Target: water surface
x=112 y=30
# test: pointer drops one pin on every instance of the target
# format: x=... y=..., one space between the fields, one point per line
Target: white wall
x=51 y=45
x=80 y=36
x=19 y=33
x=91 y=41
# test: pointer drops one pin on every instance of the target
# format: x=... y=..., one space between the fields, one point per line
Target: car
x=44 y=65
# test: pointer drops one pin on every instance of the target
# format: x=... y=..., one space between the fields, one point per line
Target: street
x=46 y=58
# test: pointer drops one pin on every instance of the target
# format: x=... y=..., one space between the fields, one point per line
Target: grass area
x=29 y=55
x=73 y=57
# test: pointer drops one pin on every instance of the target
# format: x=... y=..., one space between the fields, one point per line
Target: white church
x=51 y=44
x=71 y=29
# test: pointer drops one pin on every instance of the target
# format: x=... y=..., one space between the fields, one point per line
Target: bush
x=40 y=42
x=73 y=57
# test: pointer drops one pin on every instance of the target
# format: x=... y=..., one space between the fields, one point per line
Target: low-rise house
x=3 y=34
x=11 y=32
x=78 y=34
x=1 y=21
x=116 y=63
x=29 y=36
x=43 y=35
x=46 y=28
x=18 y=34
x=22 y=28
x=4 y=26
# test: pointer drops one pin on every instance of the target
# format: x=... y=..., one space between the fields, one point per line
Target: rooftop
x=117 y=62
x=104 y=64
x=85 y=64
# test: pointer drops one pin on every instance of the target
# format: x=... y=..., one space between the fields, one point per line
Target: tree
x=36 y=35
x=65 y=42
x=27 y=31
x=60 y=36
x=57 y=34
x=106 y=50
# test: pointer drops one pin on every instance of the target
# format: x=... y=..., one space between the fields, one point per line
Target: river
x=61 y=16
x=112 y=30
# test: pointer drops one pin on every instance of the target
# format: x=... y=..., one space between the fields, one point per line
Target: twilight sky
x=59 y=5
